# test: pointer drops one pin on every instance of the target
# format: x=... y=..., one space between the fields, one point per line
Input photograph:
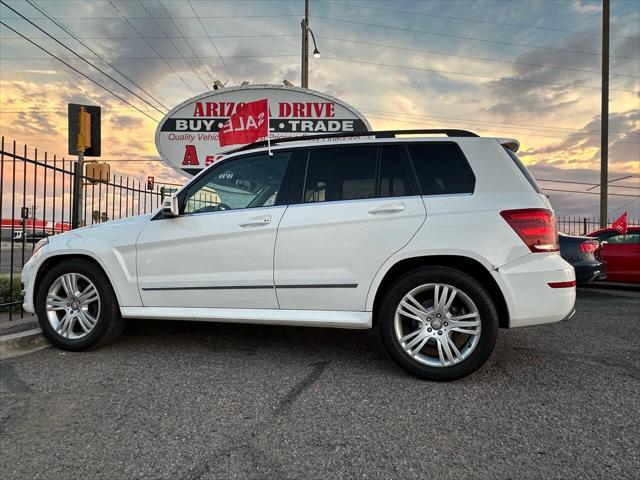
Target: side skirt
x=301 y=318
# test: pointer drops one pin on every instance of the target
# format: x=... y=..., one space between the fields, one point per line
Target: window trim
x=182 y=194
x=356 y=145
x=411 y=173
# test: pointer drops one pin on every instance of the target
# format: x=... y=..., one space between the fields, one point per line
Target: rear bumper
x=529 y=298
x=590 y=272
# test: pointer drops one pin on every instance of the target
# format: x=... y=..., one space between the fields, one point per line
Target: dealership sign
x=188 y=137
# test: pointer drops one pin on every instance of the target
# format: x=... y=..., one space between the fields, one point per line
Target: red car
x=621 y=254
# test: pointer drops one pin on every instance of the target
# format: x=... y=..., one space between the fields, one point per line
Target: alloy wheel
x=437 y=325
x=73 y=306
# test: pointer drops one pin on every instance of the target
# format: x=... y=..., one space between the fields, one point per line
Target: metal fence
x=41 y=186
x=584 y=225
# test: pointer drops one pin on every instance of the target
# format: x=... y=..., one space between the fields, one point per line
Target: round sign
x=187 y=137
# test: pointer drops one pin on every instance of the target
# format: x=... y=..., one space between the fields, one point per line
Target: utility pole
x=604 y=117
x=304 y=74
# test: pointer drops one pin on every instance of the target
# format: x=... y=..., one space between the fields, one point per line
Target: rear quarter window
x=523 y=169
x=442 y=168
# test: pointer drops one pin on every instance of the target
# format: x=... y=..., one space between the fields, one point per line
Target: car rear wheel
x=438 y=323
x=77 y=307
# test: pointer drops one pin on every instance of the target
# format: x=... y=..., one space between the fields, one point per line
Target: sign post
x=84 y=139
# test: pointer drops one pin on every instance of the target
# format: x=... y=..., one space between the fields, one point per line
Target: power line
x=417 y=122
x=176 y=47
x=586 y=183
x=475 y=39
x=206 y=32
x=60 y=25
x=475 y=20
x=486 y=59
x=160 y=17
x=553 y=128
x=391 y=115
x=617 y=209
x=474 y=75
x=589 y=193
x=166 y=58
x=256 y=35
x=113 y=5
x=81 y=73
x=82 y=58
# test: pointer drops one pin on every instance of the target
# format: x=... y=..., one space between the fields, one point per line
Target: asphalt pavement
x=175 y=400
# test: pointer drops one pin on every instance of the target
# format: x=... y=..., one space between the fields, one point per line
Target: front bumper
x=530 y=299
x=28 y=277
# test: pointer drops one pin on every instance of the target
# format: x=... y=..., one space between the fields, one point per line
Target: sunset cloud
x=498 y=84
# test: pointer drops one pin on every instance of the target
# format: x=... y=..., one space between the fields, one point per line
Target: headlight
x=39 y=245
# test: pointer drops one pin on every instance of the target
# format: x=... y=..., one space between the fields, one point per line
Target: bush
x=5 y=281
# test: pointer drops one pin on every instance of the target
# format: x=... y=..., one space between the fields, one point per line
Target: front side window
x=248 y=182
x=341 y=173
x=442 y=168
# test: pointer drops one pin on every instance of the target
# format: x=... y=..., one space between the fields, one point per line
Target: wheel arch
x=467 y=265
x=54 y=260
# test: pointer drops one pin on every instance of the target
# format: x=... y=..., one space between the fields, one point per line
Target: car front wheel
x=77 y=307
x=438 y=323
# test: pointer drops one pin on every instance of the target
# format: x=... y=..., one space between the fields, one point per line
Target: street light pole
x=304 y=75
x=604 y=117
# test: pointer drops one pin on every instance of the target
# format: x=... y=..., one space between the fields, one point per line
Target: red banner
x=248 y=124
x=620 y=225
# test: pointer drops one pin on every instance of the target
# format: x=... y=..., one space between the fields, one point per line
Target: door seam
x=273 y=258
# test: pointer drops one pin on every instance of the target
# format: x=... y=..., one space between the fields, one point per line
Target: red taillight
x=589 y=246
x=535 y=226
x=569 y=284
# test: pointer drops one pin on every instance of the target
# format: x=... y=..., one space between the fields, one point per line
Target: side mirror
x=170 y=206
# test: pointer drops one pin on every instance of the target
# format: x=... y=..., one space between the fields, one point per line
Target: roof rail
x=376 y=134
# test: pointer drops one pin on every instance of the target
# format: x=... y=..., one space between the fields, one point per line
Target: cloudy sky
x=523 y=69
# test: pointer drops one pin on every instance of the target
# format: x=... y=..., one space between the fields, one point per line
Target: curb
x=22 y=343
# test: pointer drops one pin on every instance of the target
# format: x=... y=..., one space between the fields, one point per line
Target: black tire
x=464 y=283
x=109 y=322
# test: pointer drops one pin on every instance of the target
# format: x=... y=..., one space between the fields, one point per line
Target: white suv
x=436 y=241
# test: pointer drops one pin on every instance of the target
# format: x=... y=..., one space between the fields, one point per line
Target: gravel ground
x=176 y=400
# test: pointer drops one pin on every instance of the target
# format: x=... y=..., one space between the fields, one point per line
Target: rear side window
x=523 y=169
x=442 y=168
x=341 y=173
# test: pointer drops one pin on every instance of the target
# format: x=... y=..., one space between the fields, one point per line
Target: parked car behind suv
x=437 y=242
x=584 y=255
x=621 y=252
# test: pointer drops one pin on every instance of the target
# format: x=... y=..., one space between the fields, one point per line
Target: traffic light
x=84 y=130
x=96 y=172
x=150 y=181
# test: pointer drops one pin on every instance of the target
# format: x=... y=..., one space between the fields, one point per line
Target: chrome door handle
x=257 y=222
x=387 y=209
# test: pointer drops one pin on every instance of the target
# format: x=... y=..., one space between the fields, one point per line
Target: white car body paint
x=341 y=249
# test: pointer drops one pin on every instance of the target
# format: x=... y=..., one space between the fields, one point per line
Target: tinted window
x=628 y=238
x=341 y=173
x=441 y=168
x=523 y=169
x=247 y=182
x=396 y=177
